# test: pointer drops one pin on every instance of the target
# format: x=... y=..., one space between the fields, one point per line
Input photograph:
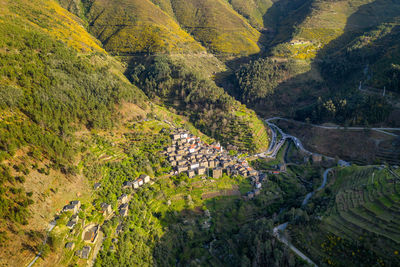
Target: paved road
x=271 y=153
x=275 y=145
x=281 y=238
x=96 y=249
x=309 y=195
x=51 y=227
x=378 y=129
x=280 y=228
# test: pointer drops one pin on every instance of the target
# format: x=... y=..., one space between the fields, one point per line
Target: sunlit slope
x=253 y=10
x=329 y=20
x=217 y=26
x=136 y=26
x=54 y=20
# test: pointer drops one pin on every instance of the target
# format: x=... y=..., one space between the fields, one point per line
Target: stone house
x=123 y=199
x=145 y=178
x=201 y=171
x=217 y=173
x=106 y=209
x=191 y=173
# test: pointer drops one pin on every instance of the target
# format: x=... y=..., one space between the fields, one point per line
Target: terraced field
x=366 y=208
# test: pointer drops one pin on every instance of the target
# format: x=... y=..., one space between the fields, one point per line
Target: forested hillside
x=59 y=89
x=329 y=48
x=92 y=90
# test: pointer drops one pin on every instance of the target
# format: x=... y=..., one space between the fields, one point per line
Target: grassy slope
x=332 y=26
x=133 y=26
x=217 y=26
x=51 y=188
x=54 y=20
x=33 y=30
x=253 y=10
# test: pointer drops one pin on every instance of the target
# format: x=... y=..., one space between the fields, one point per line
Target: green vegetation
x=217 y=26
x=330 y=47
x=178 y=220
x=359 y=219
x=13 y=200
x=48 y=92
x=258 y=79
x=70 y=118
x=136 y=26
x=209 y=108
x=351 y=109
x=253 y=11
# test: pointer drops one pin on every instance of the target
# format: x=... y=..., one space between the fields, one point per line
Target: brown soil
x=50 y=193
x=358 y=146
x=232 y=192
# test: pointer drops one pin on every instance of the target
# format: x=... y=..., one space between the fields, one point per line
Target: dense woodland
x=47 y=92
x=258 y=79
x=61 y=94
x=239 y=232
x=208 y=106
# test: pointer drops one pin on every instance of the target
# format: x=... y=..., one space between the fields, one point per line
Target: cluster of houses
x=73 y=207
x=90 y=236
x=143 y=179
x=256 y=181
x=188 y=154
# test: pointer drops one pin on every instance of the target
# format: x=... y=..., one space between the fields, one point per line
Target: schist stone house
x=73 y=221
x=106 y=209
x=189 y=154
x=70 y=245
x=123 y=210
x=143 y=179
x=73 y=207
x=84 y=252
x=217 y=173
x=123 y=199
x=91 y=235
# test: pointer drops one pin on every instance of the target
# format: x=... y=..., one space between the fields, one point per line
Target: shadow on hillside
x=280 y=22
x=302 y=91
x=220 y=234
x=282 y=17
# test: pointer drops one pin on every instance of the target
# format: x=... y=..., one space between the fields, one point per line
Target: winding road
x=309 y=195
x=272 y=151
x=377 y=129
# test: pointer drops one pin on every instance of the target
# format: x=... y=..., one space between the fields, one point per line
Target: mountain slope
x=132 y=26
x=358 y=219
x=217 y=26
x=328 y=48
x=253 y=10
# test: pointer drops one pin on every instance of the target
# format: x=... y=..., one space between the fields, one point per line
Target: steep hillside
x=132 y=26
x=55 y=81
x=328 y=47
x=359 y=219
x=253 y=10
x=217 y=26
x=193 y=94
x=66 y=107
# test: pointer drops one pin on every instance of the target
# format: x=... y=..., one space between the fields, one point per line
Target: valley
x=199 y=133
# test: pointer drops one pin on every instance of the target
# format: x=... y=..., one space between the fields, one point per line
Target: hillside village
x=91 y=231
x=186 y=154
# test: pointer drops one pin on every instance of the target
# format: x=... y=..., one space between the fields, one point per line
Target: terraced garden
x=365 y=212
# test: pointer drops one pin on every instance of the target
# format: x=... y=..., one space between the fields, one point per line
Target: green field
x=362 y=216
